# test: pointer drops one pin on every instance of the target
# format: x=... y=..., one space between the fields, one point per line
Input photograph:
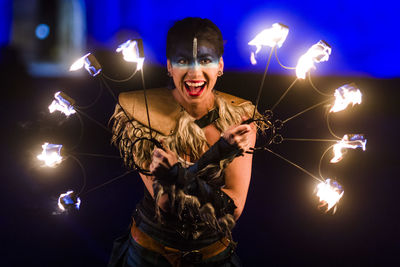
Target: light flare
x=131 y=52
x=329 y=193
x=51 y=155
x=62 y=103
x=346 y=95
x=68 y=201
x=352 y=141
x=317 y=53
x=274 y=36
x=90 y=63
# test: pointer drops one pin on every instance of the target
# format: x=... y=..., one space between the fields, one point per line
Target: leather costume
x=200 y=212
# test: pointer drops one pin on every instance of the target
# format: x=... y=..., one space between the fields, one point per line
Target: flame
x=274 y=36
x=329 y=193
x=62 y=103
x=68 y=199
x=131 y=53
x=79 y=63
x=348 y=141
x=51 y=155
x=90 y=62
x=346 y=95
x=317 y=53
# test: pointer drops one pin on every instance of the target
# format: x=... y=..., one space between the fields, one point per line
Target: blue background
x=363 y=34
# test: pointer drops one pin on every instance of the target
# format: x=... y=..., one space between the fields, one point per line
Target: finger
x=159 y=153
x=241 y=129
x=151 y=167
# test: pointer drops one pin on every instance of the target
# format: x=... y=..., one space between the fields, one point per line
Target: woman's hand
x=239 y=136
x=162 y=161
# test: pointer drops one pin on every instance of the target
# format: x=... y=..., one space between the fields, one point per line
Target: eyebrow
x=187 y=55
x=206 y=55
x=182 y=54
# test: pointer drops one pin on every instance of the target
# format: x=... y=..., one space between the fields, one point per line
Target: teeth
x=195 y=84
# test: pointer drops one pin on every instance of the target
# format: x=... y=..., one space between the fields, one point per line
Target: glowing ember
x=90 y=62
x=329 y=193
x=346 y=95
x=274 y=36
x=69 y=201
x=62 y=103
x=317 y=53
x=348 y=141
x=131 y=52
x=51 y=155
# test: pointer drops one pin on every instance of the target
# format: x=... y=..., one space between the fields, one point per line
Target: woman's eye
x=205 y=61
x=182 y=61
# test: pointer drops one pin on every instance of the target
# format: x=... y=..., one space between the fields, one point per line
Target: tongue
x=194 y=91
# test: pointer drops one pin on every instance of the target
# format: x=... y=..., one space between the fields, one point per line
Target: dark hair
x=185 y=30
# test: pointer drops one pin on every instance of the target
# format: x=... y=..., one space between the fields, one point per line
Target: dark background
x=281 y=224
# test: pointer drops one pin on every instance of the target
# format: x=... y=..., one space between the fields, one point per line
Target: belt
x=175 y=256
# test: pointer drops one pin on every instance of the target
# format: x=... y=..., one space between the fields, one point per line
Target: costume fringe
x=188 y=142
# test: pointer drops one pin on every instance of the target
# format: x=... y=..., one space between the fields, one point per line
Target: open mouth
x=194 y=88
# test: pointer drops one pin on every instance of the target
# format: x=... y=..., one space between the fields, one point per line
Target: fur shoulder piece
x=231 y=99
x=163 y=109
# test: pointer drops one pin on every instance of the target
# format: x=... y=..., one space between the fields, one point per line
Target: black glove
x=190 y=184
x=221 y=150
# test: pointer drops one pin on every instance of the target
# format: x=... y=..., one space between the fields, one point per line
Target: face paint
x=195 y=48
x=194 y=68
x=202 y=55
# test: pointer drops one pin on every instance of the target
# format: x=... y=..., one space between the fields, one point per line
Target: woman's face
x=194 y=69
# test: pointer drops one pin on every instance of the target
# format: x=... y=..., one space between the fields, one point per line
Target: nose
x=195 y=69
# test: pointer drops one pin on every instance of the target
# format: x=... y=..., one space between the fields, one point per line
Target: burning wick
x=68 y=201
x=132 y=52
x=90 y=63
x=317 y=53
x=62 y=103
x=348 y=141
x=51 y=155
x=346 y=95
x=329 y=193
x=274 y=36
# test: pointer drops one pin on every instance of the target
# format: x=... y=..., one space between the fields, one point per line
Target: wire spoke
x=81 y=132
x=95 y=101
x=307 y=109
x=309 y=140
x=284 y=94
x=145 y=101
x=283 y=66
x=108 y=182
x=95 y=121
x=117 y=101
x=122 y=80
x=329 y=127
x=320 y=161
x=262 y=81
x=83 y=172
x=97 y=155
x=294 y=164
x=314 y=87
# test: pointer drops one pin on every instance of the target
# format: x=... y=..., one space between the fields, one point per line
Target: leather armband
x=186 y=180
x=207 y=193
x=221 y=150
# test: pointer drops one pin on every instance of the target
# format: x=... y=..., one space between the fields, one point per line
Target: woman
x=200 y=177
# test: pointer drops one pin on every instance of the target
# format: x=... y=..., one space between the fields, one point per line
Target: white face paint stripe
x=195 y=49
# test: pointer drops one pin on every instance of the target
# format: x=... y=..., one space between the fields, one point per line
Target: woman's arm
x=238 y=175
